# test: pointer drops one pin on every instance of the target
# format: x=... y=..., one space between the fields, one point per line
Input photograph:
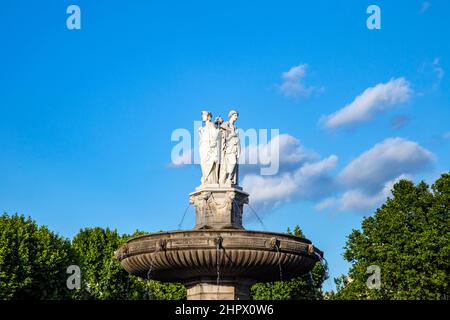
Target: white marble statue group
x=220 y=148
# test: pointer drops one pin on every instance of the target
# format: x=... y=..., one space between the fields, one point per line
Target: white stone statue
x=208 y=150
x=230 y=150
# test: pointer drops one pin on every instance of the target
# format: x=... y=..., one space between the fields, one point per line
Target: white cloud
x=437 y=69
x=301 y=175
x=327 y=203
x=314 y=180
x=371 y=102
x=383 y=162
x=267 y=192
x=293 y=83
x=361 y=186
x=358 y=201
x=310 y=181
x=291 y=154
x=367 y=181
x=446 y=135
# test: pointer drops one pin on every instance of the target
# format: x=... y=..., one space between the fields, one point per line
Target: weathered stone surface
x=218 y=207
x=225 y=289
x=218 y=259
x=187 y=255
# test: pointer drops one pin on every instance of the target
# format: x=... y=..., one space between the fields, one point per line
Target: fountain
x=218 y=259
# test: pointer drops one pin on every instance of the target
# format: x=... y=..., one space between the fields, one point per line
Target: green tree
x=33 y=260
x=409 y=239
x=156 y=289
x=166 y=290
x=104 y=278
x=308 y=286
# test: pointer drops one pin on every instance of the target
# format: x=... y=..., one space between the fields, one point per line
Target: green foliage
x=102 y=275
x=409 y=239
x=307 y=287
x=297 y=232
x=33 y=260
x=158 y=290
x=166 y=290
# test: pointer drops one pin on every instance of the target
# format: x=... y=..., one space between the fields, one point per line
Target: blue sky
x=86 y=116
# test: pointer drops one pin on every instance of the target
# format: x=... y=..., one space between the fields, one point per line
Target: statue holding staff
x=230 y=151
x=208 y=150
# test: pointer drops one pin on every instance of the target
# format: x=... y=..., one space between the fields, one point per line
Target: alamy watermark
x=374 y=280
x=73 y=21
x=373 y=22
x=260 y=148
x=74 y=280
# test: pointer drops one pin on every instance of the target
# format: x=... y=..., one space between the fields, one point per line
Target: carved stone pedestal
x=228 y=289
x=218 y=207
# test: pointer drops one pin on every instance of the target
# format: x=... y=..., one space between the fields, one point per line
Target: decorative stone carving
x=230 y=151
x=218 y=241
x=191 y=254
x=219 y=201
x=219 y=149
x=218 y=208
x=161 y=244
x=272 y=243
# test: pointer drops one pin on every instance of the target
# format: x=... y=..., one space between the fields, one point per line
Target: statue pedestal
x=218 y=207
x=227 y=289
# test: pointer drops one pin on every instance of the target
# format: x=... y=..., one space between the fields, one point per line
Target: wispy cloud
x=383 y=162
x=399 y=121
x=302 y=175
x=437 y=69
x=293 y=83
x=357 y=200
x=424 y=7
x=431 y=74
x=368 y=104
x=291 y=154
x=362 y=185
x=367 y=180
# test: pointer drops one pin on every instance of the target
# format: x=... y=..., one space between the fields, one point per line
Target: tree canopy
x=306 y=287
x=33 y=260
x=104 y=278
x=408 y=238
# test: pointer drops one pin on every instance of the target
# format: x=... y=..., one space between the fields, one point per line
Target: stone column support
x=227 y=289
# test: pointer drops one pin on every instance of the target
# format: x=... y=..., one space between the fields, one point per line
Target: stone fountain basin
x=181 y=256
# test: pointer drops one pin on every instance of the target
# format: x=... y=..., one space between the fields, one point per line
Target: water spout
x=277 y=247
x=218 y=245
x=159 y=245
x=311 y=280
x=257 y=216
x=323 y=262
x=148 y=291
x=182 y=219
